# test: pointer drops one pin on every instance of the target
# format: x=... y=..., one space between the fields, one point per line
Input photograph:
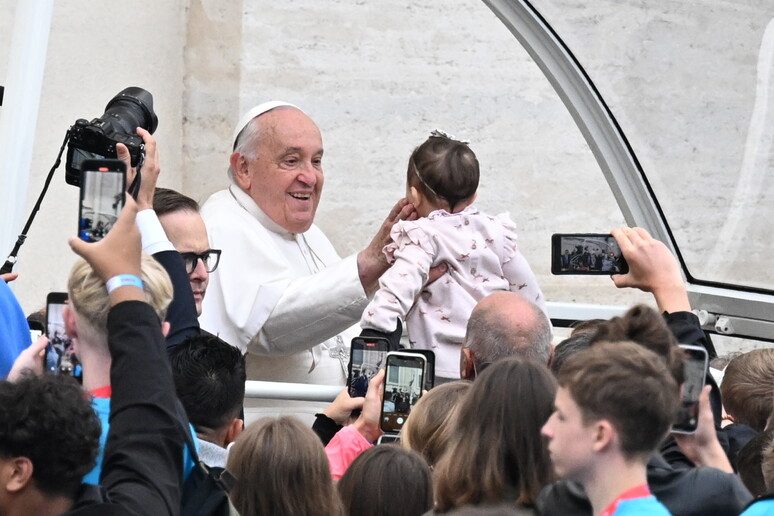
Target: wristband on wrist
x=123 y=280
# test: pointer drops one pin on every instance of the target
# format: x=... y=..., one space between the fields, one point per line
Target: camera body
x=130 y=109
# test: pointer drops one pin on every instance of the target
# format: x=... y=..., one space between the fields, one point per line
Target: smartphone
x=103 y=185
x=60 y=358
x=36 y=330
x=590 y=253
x=403 y=383
x=695 y=364
x=366 y=357
x=429 y=355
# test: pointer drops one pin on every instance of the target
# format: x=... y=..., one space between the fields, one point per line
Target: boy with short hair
x=616 y=402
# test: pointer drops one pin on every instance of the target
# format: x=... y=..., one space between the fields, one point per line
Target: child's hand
x=341 y=408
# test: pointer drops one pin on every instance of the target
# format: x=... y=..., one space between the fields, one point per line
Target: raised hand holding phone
x=117 y=254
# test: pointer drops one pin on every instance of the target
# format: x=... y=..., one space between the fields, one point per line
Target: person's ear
x=70 y=322
x=604 y=435
x=239 y=166
x=467 y=371
x=16 y=474
x=416 y=197
x=165 y=327
x=234 y=429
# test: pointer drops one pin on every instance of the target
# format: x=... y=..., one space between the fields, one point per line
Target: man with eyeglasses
x=180 y=218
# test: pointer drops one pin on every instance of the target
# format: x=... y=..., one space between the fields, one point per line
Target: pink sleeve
x=345 y=446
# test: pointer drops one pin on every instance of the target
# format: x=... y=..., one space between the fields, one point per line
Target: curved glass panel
x=692 y=86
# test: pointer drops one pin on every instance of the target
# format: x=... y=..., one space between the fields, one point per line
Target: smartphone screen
x=403 y=385
x=60 y=358
x=365 y=359
x=695 y=362
x=103 y=183
x=590 y=253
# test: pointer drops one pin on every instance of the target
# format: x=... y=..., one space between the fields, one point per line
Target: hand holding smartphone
x=103 y=185
x=586 y=253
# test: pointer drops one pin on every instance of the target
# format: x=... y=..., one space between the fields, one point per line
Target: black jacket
x=141 y=470
x=686 y=492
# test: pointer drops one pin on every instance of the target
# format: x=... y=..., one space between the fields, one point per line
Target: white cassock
x=287 y=298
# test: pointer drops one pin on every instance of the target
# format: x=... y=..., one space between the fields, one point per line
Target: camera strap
x=11 y=261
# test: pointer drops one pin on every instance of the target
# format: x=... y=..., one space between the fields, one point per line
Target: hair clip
x=437 y=133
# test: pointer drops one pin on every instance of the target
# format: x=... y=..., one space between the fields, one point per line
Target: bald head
x=502 y=325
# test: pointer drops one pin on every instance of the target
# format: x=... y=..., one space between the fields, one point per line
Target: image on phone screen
x=429 y=355
x=366 y=358
x=102 y=198
x=590 y=253
x=60 y=358
x=402 y=389
x=695 y=362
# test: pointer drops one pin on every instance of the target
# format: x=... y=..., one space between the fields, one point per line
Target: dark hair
x=569 y=347
x=387 y=480
x=49 y=420
x=209 y=379
x=495 y=452
x=628 y=385
x=644 y=326
x=587 y=326
x=169 y=201
x=445 y=168
x=750 y=460
x=746 y=390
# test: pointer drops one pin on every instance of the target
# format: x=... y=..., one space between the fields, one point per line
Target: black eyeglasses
x=210 y=258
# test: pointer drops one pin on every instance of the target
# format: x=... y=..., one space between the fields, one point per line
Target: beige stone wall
x=95 y=50
x=377 y=77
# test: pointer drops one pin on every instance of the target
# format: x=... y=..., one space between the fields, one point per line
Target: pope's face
x=283 y=173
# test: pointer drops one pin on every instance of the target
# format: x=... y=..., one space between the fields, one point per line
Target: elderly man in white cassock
x=281 y=291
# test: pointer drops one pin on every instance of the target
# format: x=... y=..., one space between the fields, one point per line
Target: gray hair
x=248 y=138
x=247 y=141
x=492 y=337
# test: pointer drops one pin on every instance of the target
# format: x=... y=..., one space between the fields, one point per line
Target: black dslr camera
x=130 y=109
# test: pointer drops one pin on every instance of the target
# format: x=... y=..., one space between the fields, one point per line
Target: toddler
x=480 y=251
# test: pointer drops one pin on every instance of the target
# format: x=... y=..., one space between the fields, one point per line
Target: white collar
x=250 y=206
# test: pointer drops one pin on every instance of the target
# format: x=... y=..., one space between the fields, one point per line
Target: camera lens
x=130 y=109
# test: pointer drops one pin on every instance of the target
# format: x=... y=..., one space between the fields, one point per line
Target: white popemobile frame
x=722 y=309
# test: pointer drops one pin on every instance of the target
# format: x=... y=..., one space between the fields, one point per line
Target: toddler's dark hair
x=444 y=169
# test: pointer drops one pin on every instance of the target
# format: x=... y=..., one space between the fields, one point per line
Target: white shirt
x=287 y=297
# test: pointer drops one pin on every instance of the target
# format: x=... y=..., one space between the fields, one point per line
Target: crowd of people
x=178 y=305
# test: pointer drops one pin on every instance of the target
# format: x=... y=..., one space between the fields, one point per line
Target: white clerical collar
x=250 y=206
